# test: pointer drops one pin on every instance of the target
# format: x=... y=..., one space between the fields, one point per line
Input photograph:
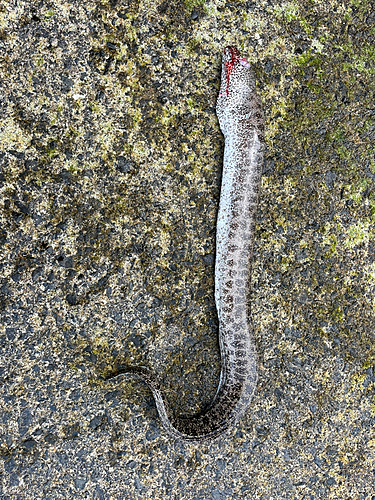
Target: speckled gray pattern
x=241 y=121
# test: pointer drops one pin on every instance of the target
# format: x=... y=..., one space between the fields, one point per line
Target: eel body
x=241 y=121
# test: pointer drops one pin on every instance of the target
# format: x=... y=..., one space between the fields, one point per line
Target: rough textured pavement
x=110 y=164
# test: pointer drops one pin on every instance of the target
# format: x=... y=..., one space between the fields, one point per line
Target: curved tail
x=201 y=427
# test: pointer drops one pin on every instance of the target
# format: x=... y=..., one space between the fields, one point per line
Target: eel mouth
x=232 y=55
x=231 y=58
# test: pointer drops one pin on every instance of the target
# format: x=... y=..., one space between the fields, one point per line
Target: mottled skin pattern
x=241 y=121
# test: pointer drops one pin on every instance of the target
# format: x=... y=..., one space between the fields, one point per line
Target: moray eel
x=241 y=121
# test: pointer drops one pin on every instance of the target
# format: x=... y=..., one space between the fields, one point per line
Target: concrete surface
x=110 y=157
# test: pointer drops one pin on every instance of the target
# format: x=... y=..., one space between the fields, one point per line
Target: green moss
x=355 y=191
x=358 y=233
x=49 y=14
x=191 y=4
x=192 y=45
x=287 y=11
x=330 y=239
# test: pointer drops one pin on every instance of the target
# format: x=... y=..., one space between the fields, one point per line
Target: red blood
x=235 y=56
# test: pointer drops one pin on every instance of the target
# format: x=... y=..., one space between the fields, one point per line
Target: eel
x=240 y=116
